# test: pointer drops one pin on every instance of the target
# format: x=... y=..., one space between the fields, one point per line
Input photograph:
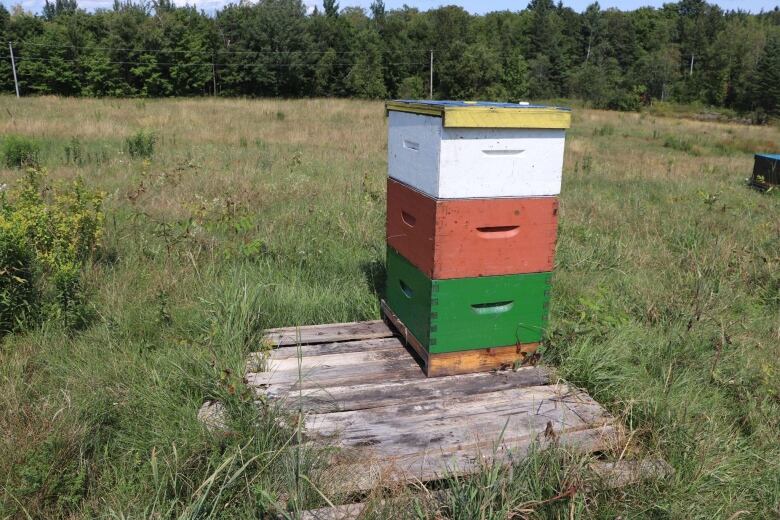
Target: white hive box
x=455 y=149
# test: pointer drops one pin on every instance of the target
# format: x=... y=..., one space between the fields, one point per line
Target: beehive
x=471 y=228
x=766 y=170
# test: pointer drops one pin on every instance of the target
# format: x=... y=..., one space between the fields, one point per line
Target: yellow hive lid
x=484 y=114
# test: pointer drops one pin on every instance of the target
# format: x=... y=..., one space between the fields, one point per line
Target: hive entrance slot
x=502 y=152
x=498 y=231
x=492 y=308
x=411 y=145
x=408 y=292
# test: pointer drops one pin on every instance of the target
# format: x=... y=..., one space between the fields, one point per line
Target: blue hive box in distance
x=766 y=170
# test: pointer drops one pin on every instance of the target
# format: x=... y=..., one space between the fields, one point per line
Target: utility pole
x=214 y=75
x=430 y=92
x=13 y=66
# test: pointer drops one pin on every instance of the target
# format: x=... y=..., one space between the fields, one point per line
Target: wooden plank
x=260 y=361
x=447 y=424
x=374 y=395
x=483 y=360
x=371 y=473
x=358 y=358
x=307 y=334
x=340 y=347
x=326 y=377
x=612 y=475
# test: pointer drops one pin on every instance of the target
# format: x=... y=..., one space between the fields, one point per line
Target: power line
x=210 y=52
x=204 y=63
x=176 y=51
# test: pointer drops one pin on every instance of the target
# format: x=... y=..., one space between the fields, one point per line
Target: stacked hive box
x=471 y=227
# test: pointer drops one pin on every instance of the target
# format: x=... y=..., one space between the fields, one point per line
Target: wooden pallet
x=465 y=362
x=606 y=475
x=363 y=391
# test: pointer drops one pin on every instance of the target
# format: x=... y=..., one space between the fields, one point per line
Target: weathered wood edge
x=612 y=475
x=309 y=334
x=365 y=475
x=386 y=393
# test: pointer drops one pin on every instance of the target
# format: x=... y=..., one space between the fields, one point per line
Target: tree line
x=688 y=51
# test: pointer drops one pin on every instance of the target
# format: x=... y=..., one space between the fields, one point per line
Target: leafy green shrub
x=44 y=243
x=141 y=144
x=627 y=100
x=18 y=280
x=20 y=151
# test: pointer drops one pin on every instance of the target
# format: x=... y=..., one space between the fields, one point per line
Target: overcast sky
x=473 y=6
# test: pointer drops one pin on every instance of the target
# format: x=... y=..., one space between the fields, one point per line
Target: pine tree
x=6 y=75
x=767 y=82
x=331 y=8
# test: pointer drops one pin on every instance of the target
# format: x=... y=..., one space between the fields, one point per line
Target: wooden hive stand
x=360 y=390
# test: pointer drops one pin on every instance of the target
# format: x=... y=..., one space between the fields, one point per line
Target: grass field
x=255 y=214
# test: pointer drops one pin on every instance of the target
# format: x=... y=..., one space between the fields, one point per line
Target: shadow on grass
x=375 y=273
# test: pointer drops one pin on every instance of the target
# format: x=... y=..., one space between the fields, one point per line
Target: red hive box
x=460 y=238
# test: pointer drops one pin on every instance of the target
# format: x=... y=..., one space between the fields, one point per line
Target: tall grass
x=665 y=307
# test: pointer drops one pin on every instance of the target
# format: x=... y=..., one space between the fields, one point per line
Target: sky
x=476 y=6
x=473 y=6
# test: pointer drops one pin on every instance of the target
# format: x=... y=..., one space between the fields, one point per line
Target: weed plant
x=141 y=144
x=20 y=151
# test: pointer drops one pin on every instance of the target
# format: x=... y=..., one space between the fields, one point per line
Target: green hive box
x=467 y=313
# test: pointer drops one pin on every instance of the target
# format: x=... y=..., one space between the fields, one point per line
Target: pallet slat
x=445 y=424
x=611 y=475
x=325 y=377
x=339 y=347
x=308 y=334
x=373 y=395
x=425 y=467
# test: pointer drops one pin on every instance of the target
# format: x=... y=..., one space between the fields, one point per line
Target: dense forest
x=689 y=51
